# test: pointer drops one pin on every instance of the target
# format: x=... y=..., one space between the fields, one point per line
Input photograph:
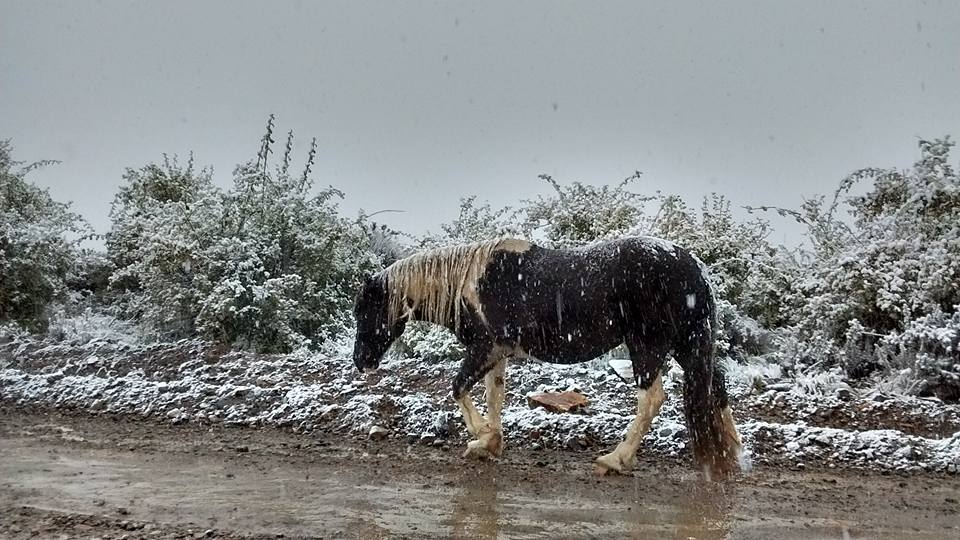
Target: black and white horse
x=509 y=298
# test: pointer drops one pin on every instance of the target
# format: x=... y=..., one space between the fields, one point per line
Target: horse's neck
x=418 y=315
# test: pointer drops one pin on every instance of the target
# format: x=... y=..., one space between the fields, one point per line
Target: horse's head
x=375 y=333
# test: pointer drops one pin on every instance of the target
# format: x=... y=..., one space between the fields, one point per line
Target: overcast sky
x=417 y=104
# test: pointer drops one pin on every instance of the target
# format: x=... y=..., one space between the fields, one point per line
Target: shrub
x=882 y=293
x=581 y=213
x=268 y=265
x=475 y=223
x=165 y=218
x=38 y=245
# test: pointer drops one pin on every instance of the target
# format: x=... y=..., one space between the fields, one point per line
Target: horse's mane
x=436 y=282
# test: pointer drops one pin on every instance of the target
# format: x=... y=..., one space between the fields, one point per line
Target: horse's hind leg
x=716 y=445
x=647 y=363
x=624 y=456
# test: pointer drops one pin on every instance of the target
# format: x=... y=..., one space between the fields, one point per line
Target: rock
x=904 y=453
x=443 y=425
x=822 y=439
x=558 y=402
x=378 y=433
x=329 y=411
x=666 y=432
x=174 y=413
x=575 y=443
x=844 y=394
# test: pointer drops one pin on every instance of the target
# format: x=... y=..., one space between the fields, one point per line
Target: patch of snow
x=411 y=398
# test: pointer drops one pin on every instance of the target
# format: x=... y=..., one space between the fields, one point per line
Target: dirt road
x=81 y=476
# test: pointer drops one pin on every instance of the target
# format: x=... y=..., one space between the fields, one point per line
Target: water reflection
x=475 y=512
x=480 y=508
x=700 y=510
x=705 y=514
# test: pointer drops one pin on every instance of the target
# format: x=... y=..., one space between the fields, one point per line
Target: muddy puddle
x=393 y=492
x=334 y=500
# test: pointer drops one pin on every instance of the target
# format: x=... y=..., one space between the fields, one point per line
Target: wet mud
x=72 y=475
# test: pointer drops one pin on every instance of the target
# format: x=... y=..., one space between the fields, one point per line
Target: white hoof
x=613 y=462
x=476 y=450
x=489 y=444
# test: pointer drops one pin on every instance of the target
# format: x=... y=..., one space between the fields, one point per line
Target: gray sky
x=417 y=104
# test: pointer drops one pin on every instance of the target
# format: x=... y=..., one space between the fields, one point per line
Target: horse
x=510 y=298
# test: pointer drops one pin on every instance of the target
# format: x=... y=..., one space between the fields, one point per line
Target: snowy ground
x=819 y=422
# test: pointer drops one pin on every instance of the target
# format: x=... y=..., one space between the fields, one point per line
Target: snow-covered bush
x=268 y=265
x=382 y=242
x=745 y=270
x=90 y=324
x=90 y=276
x=38 y=245
x=475 y=223
x=288 y=261
x=581 y=213
x=883 y=293
x=429 y=342
x=165 y=218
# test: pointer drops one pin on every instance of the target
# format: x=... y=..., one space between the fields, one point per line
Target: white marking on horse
x=732 y=439
x=625 y=455
x=488 y=431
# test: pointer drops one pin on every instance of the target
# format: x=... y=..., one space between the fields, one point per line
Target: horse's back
x=620 y=267
x=570 y=305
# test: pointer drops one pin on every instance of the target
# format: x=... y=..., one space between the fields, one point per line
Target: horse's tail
x=716 y=446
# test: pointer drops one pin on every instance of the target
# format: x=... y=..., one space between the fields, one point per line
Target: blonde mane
x=437 y=282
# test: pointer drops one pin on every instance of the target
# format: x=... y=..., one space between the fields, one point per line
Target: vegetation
x=271 y=264
x=39 y=240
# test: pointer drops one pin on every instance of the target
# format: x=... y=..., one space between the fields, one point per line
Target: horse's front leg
x=488 y=433
x=494 y=386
